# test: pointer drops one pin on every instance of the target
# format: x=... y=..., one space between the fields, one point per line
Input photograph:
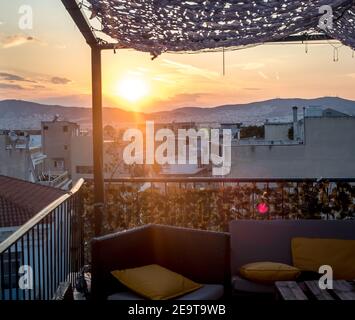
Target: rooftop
x=21 y=200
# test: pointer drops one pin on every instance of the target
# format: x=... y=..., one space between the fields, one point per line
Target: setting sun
x=132 y=89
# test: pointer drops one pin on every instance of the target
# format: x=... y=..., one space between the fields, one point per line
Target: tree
x=252 y=131
x=109 y=132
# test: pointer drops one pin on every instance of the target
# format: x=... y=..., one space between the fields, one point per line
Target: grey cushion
x=125 y=295
x=244 y=285
x=207 y=292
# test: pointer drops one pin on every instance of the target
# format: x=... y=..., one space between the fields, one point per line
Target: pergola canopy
x=158 y=26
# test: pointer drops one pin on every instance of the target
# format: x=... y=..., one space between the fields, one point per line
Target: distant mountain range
x=18 y=114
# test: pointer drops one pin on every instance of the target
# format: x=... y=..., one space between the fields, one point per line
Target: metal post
x=97 y=132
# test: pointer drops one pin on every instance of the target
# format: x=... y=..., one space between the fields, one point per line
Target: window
x=45 y=127
x=10 y=265
x=59 y=164
x=84 y=169
x=65 y=129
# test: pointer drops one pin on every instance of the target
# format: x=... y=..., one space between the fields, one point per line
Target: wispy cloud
x=60 y=46
x=18 y=40
x=164 y=79
x=13 y=77
x=263 y=75
x=8 y=86
x=38 y=87
x=252 y=89
x=188 y=69
x=59 y=80
x=248 y=66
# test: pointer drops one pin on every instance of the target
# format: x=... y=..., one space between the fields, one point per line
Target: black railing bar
x=38 y=267
x=66 y=261
x=44 y=283
x=70 y=242
x=10 y=273
x=80 y=223
x=38 y=218
x=23 y=263
x=34 y=263
x=66 y=233
x=47 y=258
x=55 y=249
x=29 y=260
x=16 y=271
x=77 y=238
x=76 y=234
x=81 y=210
x=51 y=253
x=60 y=242
x=2 y=277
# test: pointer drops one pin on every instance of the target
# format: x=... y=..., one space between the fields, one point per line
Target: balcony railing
x=211 y=203
x=44 y=252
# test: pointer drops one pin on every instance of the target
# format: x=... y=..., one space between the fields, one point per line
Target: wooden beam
x=97 y=133
x=304 y=37
x=81 y=22
x=84 y=26
x=294 y=38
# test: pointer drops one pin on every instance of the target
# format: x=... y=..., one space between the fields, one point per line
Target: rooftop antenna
x=56 y=118
x=13 y=139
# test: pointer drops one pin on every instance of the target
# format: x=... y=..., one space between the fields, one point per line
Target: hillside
x=18 y=114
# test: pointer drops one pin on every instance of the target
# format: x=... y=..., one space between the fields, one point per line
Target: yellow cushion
x=269 y=272
x=155 y=282
x=310 y=253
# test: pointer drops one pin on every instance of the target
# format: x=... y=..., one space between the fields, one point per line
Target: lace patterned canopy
x=158 y=26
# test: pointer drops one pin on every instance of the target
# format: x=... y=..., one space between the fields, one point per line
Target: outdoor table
x=309 y=290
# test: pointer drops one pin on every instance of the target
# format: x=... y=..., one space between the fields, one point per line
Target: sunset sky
x=51 y=64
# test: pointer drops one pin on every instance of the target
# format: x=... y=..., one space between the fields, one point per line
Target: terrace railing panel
x=45 y=251
x=211 y=203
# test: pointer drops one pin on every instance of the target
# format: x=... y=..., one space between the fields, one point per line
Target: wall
x=329 y=151
x=13 y=163
x=277 y=131
x=81 y=155
x=56 y=143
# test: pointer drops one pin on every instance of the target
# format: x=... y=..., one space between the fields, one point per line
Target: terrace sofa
x=261 y=240
x=201 y=256
x=210 y=258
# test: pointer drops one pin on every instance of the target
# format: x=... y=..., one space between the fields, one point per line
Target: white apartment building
x=324 y=147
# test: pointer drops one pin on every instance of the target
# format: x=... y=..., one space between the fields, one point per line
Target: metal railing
x=211 y=203
x=45 y=251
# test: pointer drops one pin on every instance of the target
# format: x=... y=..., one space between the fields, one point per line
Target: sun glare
x=132 y=89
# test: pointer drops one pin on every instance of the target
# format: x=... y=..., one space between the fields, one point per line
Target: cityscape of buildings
x=59 y=153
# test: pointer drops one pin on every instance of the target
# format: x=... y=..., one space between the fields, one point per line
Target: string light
x=224 y=62
x=335 y=51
